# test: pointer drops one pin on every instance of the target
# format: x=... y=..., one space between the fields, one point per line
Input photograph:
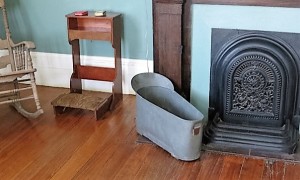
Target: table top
x=91 y=14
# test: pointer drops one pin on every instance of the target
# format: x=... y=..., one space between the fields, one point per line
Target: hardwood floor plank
x=252 y=169
x=116 y=161
x=168 y=167
x=52 y=158
x=232 y=165
x=273 y=170
x=83 y=154
x=106 y=133
x=109 y=145
x=292 y=171
x=74 y=145
x=184 y=169
x=22 y=151
x=173 y=167
x=211 y=166
x=96 y=162
x=24 y=144
x=152 y=165
x=133 y=163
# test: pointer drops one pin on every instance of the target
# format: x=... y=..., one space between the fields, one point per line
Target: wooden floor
x=75 y=146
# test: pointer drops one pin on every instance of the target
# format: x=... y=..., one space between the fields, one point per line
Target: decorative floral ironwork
x=245 y=97
x=253 y=87
x=254 y=81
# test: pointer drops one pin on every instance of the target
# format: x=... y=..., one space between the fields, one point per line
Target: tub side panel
x=170 y=132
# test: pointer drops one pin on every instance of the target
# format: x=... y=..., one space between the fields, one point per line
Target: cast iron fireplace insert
x=254 y=92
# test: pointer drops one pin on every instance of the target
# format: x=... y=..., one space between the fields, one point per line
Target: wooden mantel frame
x=185 y=33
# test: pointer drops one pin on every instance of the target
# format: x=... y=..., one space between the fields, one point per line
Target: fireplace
x=189 y=40
x=240 y=33
x=254 y=96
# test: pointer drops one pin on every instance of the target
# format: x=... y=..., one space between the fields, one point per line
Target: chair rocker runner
x=15 y=67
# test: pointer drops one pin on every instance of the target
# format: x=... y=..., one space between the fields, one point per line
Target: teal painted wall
x=44 y=23
x=206 y=17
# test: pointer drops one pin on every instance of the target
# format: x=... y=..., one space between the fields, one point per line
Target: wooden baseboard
x=55 y=70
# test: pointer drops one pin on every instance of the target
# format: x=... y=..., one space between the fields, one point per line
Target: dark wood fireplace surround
x=172 y=35
x=172 y=55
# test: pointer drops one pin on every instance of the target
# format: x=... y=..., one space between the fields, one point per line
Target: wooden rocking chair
x=15 y=67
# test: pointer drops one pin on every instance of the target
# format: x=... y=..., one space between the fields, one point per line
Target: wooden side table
x=106 y=28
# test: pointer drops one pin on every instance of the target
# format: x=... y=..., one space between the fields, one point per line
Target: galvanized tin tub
x=150 y=79
x=166 y=118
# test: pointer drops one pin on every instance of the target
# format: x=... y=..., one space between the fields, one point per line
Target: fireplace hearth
x=254 y=92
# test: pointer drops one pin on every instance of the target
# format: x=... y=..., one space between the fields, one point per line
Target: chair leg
x=35 y=93
x=16 y=86
x=18 y=106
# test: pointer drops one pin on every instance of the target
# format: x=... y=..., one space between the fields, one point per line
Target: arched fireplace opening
x=254 y=92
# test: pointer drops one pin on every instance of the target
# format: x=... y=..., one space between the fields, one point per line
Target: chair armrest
x=28 y=44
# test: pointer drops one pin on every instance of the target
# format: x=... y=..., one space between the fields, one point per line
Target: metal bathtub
x=166 y=118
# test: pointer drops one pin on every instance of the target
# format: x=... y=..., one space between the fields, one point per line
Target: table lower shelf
x=97 y=102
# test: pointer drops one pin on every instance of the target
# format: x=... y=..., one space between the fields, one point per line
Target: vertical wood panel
x=168 y=41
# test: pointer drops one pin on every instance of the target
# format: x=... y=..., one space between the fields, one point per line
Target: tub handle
x=197 y=129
